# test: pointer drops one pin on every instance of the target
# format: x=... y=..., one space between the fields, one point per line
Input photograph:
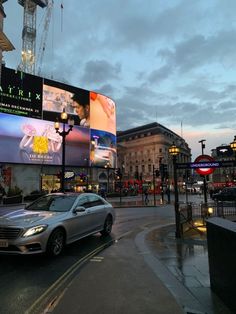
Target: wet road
x=24 y=279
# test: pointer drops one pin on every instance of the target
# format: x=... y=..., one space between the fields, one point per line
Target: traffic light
x=118 y=174
x=163 y=171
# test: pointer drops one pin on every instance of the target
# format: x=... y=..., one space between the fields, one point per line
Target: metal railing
x=203 y=211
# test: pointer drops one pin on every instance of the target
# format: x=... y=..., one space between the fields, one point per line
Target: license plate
x=3 y=243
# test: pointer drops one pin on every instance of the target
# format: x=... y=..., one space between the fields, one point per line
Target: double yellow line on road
x=44 y=300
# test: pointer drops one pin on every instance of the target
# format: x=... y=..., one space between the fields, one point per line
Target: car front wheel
x=107 y=226
x=56 y=242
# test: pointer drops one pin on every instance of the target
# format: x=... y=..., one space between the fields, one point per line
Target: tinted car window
x=53 y=203
x=83 y=201
x=94 y=200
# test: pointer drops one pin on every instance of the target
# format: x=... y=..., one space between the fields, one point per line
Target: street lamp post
x=233 y=146
x=120 y=173
x=87 y=173
x=174 y=151
x=204 y=177
x=107 y=166
x=155 y=173
x=63 y=134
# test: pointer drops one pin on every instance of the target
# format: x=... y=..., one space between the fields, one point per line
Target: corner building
x=143 y=150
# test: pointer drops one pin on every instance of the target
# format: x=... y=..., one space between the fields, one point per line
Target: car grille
x=9 y=233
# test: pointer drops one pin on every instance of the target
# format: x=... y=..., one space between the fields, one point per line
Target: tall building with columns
x=143 y=153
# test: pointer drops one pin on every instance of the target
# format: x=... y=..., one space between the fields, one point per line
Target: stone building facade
x=143 y=150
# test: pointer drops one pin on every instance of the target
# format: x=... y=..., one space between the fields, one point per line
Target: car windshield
x=53 y=203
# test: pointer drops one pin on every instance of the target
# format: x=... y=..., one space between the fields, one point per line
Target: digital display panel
x=58 y=96
x=34 y=141
x=20 y=94
x=103 y=149
x=102 y=113
x=29 y=106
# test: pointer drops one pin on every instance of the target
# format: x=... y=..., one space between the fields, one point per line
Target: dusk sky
x=171 y=62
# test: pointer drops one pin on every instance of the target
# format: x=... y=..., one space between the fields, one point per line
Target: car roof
x=71 y=193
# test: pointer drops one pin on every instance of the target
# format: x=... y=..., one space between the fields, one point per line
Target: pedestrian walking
x=146 y=200
x=168 y=194
x=103 y=193
x=2 y=192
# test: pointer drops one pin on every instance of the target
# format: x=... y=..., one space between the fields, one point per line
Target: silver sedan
x=52 y=221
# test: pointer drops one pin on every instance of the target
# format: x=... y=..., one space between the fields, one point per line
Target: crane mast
x=29 y=34
x=44 y=36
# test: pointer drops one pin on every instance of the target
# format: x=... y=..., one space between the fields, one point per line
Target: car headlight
x=34 y=230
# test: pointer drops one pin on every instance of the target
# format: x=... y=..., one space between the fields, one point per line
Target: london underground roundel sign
x=204 y=171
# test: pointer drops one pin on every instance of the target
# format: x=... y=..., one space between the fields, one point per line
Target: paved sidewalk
x=183 y=266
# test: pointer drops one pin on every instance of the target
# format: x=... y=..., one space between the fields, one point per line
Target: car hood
x=25 y=218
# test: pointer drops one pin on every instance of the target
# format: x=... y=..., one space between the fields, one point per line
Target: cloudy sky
x=172 y=61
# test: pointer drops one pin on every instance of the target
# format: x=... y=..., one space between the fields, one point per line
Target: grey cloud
x=107 y=90
x=198 y=91
x=144 y=24
x=140 y=92
x=100 y=71
x=160 y=74
x=200 y=50
x=132 y=112
x=227 y=105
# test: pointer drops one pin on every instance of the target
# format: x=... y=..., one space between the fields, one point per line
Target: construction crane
x=29 y=34
x=43 y=41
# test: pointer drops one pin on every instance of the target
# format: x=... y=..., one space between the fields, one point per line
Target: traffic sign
x=206 y=164
x=202 y=159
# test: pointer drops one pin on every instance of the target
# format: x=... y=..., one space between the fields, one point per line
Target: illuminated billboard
x=29 y=106
x=58 y=96
x=103 y=113
x=103 y=148
x=34 y=141
x=21 y=94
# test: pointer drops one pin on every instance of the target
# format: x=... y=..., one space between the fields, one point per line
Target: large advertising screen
x=21 y=94
x=58 y=96
x=29 y=106
x=34 y=141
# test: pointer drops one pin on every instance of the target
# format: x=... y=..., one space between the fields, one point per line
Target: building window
x=131 y=169
x=143 y=169
x=160 y=150
x=149 y=168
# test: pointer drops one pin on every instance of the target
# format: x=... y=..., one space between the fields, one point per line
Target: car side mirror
x=79 y=209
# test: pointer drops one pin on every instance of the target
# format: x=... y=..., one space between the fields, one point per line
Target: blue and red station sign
x=205 y=164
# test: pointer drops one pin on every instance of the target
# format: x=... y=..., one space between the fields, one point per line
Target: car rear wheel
x=107 y=226
x=56 y=242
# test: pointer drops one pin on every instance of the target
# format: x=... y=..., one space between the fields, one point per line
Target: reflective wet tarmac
x=187 y=260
